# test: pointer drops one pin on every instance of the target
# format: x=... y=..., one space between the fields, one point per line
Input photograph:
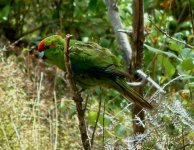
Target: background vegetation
x=36 y=107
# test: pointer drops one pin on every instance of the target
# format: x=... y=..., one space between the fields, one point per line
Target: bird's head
x=52 y=44
x=52 y=50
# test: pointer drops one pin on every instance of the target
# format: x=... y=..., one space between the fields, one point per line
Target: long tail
x=126 y=91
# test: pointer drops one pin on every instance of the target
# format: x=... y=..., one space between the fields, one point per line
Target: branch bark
x=122 y=38
x=137 y=58
x=76 y=96
x=133 y=57
x=191 y=11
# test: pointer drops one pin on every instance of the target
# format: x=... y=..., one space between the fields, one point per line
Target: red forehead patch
x=41 y=46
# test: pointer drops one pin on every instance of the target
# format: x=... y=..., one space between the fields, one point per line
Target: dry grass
x=31 y=115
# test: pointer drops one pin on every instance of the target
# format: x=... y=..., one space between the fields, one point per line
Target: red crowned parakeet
x=92 y=65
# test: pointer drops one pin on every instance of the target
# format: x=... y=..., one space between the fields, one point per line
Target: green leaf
x=185 y=24
x=92 y=4
x=157 y=51
x=120 y=130
x=190 y=85
x=188 y=64
x=173 y=45
x=4 y=13
x=187 y=53
x=93 y=115
x=168 y=67
x=158 y=14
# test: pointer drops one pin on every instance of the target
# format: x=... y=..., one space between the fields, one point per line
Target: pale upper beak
x=41 y=54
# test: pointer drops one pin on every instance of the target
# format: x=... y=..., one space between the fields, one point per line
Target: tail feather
x=123 y=88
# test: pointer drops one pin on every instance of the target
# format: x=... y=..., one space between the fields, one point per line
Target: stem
x=103 y=137
x=137 y=59
x=76 y=96
x=97 y=118
x=170 y=37
x=191 y=14
x=122 y=38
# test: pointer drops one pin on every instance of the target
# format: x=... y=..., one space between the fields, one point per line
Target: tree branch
x=117 y=25
x=97 y=118
x=76 y=96
x=146 y=77
x=137 y=59
x=170 y=37
x=191 y=14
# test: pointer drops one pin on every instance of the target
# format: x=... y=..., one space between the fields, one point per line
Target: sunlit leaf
x=188 y=64
x=185 y=24
x=4 y=13
x=187 y=53
x=93 y=115
x=157 y=51
x=173 y=45
x=168 y=67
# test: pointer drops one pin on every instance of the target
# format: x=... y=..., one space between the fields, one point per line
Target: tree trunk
x=137 y=58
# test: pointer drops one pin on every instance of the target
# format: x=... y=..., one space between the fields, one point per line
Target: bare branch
x=137 y=58
x=97 y=118
x=76 y=96
x=68 y=66
x=117 y=25
x=141 y=83
x=191 y=14
x=170 y=37
x=146 y=77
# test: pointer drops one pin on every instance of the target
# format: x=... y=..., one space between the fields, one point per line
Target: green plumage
x=92 y=65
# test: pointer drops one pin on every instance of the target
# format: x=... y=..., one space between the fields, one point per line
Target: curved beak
x=41 y=54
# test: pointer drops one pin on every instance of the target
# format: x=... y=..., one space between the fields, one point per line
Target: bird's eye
x=50 y=46
x=46 y=47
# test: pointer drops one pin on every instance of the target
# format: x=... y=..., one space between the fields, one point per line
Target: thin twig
x=47 y=24
x=56 y=122
x=86 y=103
x=192 y=15
x=103 y=136
x=146 y=77
x=183 y=138
x=36 y=113
x=17 y=133
x=76 y=96
x=165 y=85
x=170 y=37
x=97 y=118
x=16 y=42
x=183 y=147
x=6 y=138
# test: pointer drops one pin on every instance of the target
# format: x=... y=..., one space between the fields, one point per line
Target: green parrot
x=92 y=65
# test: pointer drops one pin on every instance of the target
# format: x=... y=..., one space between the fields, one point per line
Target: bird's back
x=91 y=55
